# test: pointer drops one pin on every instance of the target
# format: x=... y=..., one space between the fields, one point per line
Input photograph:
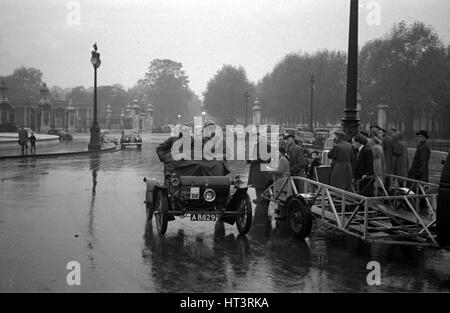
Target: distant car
x=320 y=137
x=288 y=131
x=306 y=138
x=61 y=133
x=130 y=137
x=106 y=137
x=322 y=130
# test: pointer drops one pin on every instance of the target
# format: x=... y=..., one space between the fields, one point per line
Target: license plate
x=203 y=217
x=195 y=193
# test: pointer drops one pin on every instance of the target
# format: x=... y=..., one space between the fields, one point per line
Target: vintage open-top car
x=202 y=191
x=131 y=137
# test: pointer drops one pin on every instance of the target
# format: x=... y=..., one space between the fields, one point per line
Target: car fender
x=231 y=219
x=238 y=191
x=152 y=186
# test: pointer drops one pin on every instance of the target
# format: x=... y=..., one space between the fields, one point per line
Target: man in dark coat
x=258 y=179
x=419 y=167
x=364 y=166
x=164 y=150
x=297 y=160
x=342 y=155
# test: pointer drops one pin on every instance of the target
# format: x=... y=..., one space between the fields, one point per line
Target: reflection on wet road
x=90 y=209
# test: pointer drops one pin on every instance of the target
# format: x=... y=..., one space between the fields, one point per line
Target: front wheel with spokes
x=161 y=212
x=244 y=217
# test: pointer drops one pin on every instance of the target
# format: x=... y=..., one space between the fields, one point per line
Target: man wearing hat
x=419 y=167
x=342 y=156
x=364 y=169
x=297 y=160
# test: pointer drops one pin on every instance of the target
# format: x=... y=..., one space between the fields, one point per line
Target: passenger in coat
x=400 y=155
x=342 y=156
x=419 y=167
x=364 y=166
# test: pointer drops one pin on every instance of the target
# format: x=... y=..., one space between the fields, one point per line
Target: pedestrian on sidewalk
x=23 y=140
x=419 y=167
x=32 y=143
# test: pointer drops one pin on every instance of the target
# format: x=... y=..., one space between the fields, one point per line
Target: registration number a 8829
x=203 y=217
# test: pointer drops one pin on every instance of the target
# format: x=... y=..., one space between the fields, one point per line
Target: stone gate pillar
x=149 y=118
x=135 y=114
x=122 y=120
x=382 y=115
x=71 y=127
x=256 y=113
x=108 y=116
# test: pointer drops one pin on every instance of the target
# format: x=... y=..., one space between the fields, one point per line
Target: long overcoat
x=342 y=156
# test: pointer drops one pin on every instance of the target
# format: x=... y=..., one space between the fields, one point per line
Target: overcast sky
x=201 y=34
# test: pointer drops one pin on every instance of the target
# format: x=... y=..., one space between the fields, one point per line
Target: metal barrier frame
x=373 y=219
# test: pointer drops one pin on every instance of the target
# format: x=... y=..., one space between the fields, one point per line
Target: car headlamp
x=175 y=181
x=209 y=195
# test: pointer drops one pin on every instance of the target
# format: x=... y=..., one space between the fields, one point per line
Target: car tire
x=244 y=217
x=299 y=218
x=161 y=212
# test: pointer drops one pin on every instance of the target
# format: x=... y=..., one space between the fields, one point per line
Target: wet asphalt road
x=90 y=209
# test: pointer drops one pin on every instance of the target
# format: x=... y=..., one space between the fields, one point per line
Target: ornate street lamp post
x=351 y=121
x=95 y=143
x=410 y=114
x=311 y=126
x=247 y=97
x=44 y=109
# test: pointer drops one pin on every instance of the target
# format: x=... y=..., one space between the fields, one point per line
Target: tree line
x=165 y=85
x=407 y=69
